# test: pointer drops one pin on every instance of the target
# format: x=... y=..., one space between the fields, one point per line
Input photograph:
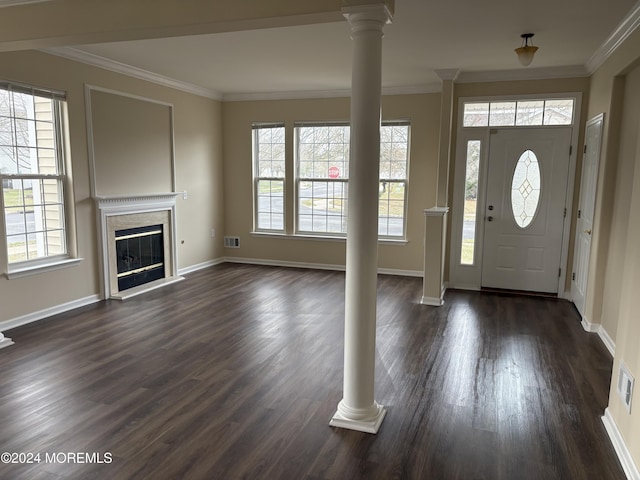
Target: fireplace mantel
x=119 y=211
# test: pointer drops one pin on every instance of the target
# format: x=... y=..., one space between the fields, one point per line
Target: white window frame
x=345 y=181
x=257 y=178
x=44 y=262
x=342 y=180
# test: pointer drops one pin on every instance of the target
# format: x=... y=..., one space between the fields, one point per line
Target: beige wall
x=422 y=110
x=198 y=170
x=614 y=281
x=622 y=278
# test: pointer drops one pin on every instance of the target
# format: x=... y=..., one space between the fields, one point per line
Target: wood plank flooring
x=235 y=372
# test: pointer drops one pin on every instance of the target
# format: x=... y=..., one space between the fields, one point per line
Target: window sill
x=325 y=238
x=33 y=269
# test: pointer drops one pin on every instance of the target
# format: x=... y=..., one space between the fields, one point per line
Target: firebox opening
x=140 y=255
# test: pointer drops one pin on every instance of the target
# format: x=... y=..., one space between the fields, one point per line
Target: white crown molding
x=311 y=94
x=523 y=74
x=447 y=73
x=626 y=27
x=117 y=67
x=13 y=3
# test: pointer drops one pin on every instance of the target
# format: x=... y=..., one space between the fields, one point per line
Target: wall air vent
x=231 y=242
x=625 y=386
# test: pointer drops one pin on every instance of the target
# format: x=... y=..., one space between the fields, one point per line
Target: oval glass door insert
x=525 y=189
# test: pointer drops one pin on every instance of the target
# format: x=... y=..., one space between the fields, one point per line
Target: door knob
x=489 y=218
x=490 y=207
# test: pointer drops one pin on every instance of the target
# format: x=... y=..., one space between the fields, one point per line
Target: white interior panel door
x=586 y=205
x=524 y=216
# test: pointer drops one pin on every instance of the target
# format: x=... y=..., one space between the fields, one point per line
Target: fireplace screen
x=140 y=254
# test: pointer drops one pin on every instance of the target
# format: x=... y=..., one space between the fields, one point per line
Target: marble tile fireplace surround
x=126 y=212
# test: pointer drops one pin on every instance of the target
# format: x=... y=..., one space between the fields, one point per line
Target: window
x=525 y=189
x=269 y=177
x=322 y=168
x=394 y=156
x=518 y=113
x=322 y=178
x=467 y=250
x=32 y=170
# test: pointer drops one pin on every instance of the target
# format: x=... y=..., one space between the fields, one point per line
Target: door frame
x=597 y=122
x=470 y=276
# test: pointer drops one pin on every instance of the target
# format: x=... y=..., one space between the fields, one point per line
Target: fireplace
x=140 y=256
x=138 y=243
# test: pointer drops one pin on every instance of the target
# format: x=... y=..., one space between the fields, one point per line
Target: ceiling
x=426 y=36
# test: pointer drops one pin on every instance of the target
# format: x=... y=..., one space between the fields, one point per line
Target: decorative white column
x=358 y=410
x=5 y=341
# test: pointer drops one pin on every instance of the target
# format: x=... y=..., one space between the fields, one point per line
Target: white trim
x=200 y=266
x=88 y=88
x=432 y=301
x=625 y=28
x=34 y=269
x=132 y=204
x=48 y=312
x=5 y=341
x=316 y=266
x=135 y=72
x=587 y=326
x=312 y=94
x=602 y=333
x=523 y=74
x=401 y=273
x=12 y=3
x=619 y=445
x=606 y=339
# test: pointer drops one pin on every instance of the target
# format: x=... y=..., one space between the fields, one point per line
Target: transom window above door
x=519 y=113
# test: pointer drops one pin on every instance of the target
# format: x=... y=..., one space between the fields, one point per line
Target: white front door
x=584 y=226
x=524 y=211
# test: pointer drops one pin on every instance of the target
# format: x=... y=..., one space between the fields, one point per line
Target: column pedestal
x=4 y=341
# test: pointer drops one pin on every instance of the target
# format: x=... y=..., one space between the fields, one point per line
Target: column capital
x=371 y=16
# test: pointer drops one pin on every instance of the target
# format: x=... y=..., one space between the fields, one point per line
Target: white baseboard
x=602 y=333
x=432 y=301
x=588 y=326
x=47 y=312
x=316 y=266
x=619 y=445
x=200 y=266
x=606 y=339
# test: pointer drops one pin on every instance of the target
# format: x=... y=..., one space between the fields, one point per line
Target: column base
x=4 y=341
x=369 y=424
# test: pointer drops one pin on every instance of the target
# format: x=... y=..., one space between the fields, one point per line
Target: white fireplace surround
x=129 y=211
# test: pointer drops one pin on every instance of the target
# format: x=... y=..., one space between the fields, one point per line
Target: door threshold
x=526 y=293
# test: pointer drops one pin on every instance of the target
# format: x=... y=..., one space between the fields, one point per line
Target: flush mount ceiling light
x=526 y=51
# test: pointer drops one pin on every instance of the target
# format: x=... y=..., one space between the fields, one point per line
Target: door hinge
x=565 y=212
x=579 y=213
x=573 y=276
x=570 y=149
x=585 y=148
x=560 y=272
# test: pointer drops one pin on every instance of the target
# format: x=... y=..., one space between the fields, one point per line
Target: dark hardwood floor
x=235 y=373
